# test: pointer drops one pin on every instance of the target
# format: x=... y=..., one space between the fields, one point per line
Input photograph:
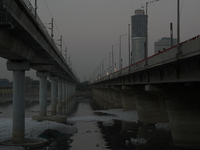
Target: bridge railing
x=37 y=18
x=165 y=56
x=42 y=26
x=5 y=14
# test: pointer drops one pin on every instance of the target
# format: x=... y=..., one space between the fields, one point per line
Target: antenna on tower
x=142 y=6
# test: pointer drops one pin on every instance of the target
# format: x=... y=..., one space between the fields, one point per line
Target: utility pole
x=52 y=28
x=100 y=69
x=113 y=58
x=171 y=34
x=36 y=9
x=66 y=53
x=109 y=62
x=69 y=60
x=61 y=43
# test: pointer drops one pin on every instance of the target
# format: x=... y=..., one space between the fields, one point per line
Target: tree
x=83 y=86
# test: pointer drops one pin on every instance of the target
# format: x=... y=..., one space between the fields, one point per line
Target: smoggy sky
x=90 y=27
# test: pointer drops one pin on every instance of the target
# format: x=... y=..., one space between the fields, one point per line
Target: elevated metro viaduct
x=167 y=89
x=26 y=44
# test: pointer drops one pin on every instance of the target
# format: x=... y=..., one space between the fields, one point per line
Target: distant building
x=5 y=82
x=7 y=90
x=163 y=43
x=138 y=49
x=5 y=87
x=139 y=22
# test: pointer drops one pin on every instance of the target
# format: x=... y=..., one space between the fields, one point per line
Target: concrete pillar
x=64 y=111
x=43 y=93
x=128 y=100
x=60 y=97
x=151 y=109
x=184 y=119
x=105 y=99
x=54 y=91
x=18 y=69
x=183 y=111
x=101 y=98
x=117 y=99
x=66 y=95
x=96 y=96
x=69 y=90
x=110 y=99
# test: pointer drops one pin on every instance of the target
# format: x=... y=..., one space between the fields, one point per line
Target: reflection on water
x=120 y=135
x=31 y=109
x=96 y=135
x=88 y=136
x=6 y=110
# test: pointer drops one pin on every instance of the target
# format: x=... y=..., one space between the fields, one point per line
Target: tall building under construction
x=139 y=22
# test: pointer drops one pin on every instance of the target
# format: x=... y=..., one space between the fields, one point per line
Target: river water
x=104 y=130
x=96 y=135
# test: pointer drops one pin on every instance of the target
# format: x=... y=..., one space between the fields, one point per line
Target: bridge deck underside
x=26 y=40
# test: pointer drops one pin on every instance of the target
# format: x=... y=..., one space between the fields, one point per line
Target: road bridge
x=167 y=89
x=26 y=44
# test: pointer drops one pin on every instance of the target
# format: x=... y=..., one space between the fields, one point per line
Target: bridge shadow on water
x=118 y=135
x=95 y=133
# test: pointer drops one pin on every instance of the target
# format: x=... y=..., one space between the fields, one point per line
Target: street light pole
x=146 y=43
x=103 y=67
x=66 y=54
x=129 y=46
x=109 y=63
x=113 y=58
x=120 y=62
x=61 y=43
x=178 y=27
x=36 y=9
x=100 y=70
x=52 y=28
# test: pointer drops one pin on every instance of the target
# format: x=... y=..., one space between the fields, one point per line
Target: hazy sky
x=90 y=28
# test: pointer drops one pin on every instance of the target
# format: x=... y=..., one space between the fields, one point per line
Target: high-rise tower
x=139 y=22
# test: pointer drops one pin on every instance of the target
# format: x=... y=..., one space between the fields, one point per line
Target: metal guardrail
x=32 y=10
x=126 y=71
x=40 y=23
x=5 y=14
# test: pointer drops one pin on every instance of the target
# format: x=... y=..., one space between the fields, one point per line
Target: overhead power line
x=51 y=15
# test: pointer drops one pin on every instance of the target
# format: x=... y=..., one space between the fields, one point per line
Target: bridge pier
x=103 y=99
x=116 y=94
x=113 y=98
x=183 y=111
x=184 y=121
x=151 y=108
x=43 y=93
x=18 y=69
x=128 y=100
x=60 y=97
x=105 y=104
x=110 y=98
x=54 y=89
x=71 y=102
x=64 y=99
x=98 y=96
